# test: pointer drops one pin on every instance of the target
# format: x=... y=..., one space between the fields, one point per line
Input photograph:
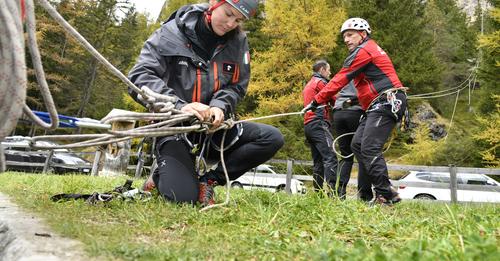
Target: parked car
x=488 y=190
x=264 y=177
x=17 y=150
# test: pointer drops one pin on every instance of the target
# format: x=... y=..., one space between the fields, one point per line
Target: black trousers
x=367 y=145
x=325 y=162
x=177 y=180
x=346 y=121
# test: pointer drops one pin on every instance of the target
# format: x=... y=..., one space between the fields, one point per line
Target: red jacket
x=372 y=71
x=313 y=87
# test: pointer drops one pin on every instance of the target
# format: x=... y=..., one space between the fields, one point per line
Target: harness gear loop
x=391 y=100
x=201 y=166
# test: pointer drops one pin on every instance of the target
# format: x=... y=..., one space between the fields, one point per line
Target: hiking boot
x=149 y=184
x=381 y=200
x=206 y=196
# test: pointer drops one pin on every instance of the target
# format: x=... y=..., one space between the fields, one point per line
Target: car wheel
x=280 y=188
x=425 y=197
x=236 y=185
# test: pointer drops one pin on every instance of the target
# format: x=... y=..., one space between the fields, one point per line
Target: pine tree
x=399 y=28
x=454 y=45
x=489 y=119
x=172 y=6
x=299 y=34
x=489 y=61
x=57 y=50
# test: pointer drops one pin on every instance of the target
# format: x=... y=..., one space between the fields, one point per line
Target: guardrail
x=452 y=169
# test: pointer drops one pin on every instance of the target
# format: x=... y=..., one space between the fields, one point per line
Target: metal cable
x=467 y=80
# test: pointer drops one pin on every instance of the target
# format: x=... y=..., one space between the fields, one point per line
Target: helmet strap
x=208 y=16
x=360 y=32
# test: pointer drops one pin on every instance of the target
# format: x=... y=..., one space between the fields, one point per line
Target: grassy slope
x=260 y=225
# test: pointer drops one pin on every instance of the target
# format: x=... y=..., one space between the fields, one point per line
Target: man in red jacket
x=382 y=97
x=317 y=129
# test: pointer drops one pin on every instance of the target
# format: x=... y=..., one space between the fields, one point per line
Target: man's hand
x=346 y=104
x=200 y=110
x=310 y=107
x=217 y=116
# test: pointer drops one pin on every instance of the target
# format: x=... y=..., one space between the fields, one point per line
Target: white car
x=488 y=190
x=264 y=177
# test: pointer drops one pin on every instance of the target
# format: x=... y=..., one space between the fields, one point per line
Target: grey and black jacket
x=168 y=64
x=347 y=93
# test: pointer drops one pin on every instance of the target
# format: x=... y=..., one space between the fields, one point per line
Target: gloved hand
x=310 y=107
x=346 y=104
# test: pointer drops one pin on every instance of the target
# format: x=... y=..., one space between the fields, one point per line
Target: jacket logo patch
x=228 y=67
x=185 y=63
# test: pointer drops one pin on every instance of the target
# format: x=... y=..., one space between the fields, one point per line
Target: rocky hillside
x=469 y=7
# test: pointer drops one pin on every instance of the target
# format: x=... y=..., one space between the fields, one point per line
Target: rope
x=453 y=114
x=13 y=80
x=437 y=94
x=228 y=184
x=466 y=81
x=335 y=142
x=270 y=116
x=40 y=75
x=61 y=21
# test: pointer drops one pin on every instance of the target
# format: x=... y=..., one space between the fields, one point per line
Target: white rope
x=466 y=81
x=228 y=183
x=13 y=80
x=61 y=21
x=335 y=142
x=40 y=74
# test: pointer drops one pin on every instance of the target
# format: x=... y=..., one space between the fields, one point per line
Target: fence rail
x=452 y=185
x=453 y=170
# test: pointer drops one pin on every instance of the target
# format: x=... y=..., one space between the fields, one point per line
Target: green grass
x=259 y=225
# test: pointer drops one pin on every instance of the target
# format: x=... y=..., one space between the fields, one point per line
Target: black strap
x=95 y=197
x=59 y=197
x=89 y=198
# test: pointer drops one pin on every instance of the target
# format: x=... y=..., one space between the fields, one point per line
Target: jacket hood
x=186 y=18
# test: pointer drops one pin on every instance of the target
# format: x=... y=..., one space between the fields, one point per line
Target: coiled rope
x=12 y=69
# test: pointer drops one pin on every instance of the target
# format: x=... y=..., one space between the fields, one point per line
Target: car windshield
x=264 y=169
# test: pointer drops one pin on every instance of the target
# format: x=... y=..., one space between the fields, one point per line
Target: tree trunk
x=87 y=91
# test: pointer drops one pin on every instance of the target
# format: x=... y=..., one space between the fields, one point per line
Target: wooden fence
x=453 y=170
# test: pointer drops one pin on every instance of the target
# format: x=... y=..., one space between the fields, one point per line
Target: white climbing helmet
x=356 y=23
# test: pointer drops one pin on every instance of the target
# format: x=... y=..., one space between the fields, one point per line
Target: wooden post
x=46 y=166
x=140 y=160
x=2 y=159
x=289 y=171
x=453 y=183
x=95 y=164
x=117 y=155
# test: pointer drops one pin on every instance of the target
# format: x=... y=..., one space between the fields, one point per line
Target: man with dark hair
x=317 y=129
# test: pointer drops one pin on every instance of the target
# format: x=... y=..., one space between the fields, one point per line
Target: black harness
x=124 y=192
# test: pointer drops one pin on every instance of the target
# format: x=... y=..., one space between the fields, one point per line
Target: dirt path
x=23 y=236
